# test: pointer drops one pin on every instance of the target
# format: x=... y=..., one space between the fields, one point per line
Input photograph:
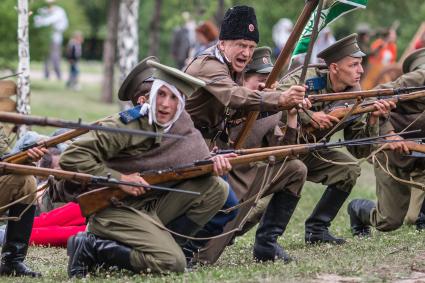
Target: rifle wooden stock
x=98 y=199
x=284 y=55
x=22 y=157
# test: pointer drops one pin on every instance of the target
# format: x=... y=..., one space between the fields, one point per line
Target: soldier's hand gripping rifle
x=82 y=178
x=283 y=57
x=98 y=199
x=80 y=129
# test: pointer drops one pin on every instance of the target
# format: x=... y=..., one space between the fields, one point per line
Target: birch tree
x=23 y=98
x=128 y=41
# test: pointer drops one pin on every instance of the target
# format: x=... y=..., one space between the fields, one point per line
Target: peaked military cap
x=186 y=83
x=344 y=47
x=137 y=81
x=261 y=61
x=240 y=22
x=414 y=61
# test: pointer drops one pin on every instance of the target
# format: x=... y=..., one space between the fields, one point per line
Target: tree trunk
x=128 y=40
x=154 y=29
x=219 y=13
x=109 y=51
x=23 y=98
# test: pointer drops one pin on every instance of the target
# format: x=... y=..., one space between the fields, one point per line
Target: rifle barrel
x=46 y=121
x=365 y=94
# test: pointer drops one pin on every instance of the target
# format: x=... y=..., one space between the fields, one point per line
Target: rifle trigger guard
x=115 y=202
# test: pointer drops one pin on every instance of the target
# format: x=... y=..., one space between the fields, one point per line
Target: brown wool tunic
x=100 y=153
x=207 y=105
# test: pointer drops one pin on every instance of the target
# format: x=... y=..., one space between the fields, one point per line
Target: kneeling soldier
x=18 y=232
x=341 y=74
x=132 y=236
x=393 y=196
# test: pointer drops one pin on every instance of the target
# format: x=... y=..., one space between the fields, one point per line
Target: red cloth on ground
x=55 y=236
x=55 y=227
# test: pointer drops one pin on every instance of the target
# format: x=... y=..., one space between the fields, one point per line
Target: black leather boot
x=420 y=222
x=272 y=225
x=317 y=225
x=184 y=226
x=359 y=211
x=87 y=252
x=15 y=245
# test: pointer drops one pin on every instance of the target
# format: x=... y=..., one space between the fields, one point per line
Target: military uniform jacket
x=208 y=105
x=4 y=146
x=406 y=111
x=100 y=153
x=357 y=128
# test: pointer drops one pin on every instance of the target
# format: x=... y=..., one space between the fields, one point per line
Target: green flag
x=332 y=10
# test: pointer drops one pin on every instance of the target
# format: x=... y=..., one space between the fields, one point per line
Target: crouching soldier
x=341 y=74
x=132 y=236
x=393 y=195
x=18 y=230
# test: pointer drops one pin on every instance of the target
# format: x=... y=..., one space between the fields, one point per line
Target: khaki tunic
x=223 y=92
x=101 y=153
x=14 y=187
x=393 y=197
x=342 y=177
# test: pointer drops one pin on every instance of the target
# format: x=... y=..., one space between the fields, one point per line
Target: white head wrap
x=150 y=107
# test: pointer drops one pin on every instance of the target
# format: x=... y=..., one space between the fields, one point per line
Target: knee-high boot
x=272 y=225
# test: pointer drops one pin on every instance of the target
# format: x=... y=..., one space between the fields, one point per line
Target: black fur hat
x=240 y=22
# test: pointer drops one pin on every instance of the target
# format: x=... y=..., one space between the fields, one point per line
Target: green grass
x=385 y=257
x=52 y=98
x=93 y=67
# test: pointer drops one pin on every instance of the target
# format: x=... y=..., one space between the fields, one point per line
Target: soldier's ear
x=221 y=45
x=333 y=68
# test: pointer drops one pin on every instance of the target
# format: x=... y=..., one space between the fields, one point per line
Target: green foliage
x=378 y=14
x=8 y=26
x=39 y=37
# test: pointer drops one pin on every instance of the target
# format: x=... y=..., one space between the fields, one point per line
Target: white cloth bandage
x=150 y=107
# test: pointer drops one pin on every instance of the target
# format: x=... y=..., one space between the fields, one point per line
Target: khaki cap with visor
x=344 y=47
x=261 y=61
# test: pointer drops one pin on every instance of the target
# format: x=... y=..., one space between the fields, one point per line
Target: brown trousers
x=14 y=187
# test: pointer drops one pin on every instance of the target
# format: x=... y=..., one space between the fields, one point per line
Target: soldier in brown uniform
x=393 y=197
x=342 y=73
x=217 y=106
x=132 y=235
x=268 y=130
x=18 y=232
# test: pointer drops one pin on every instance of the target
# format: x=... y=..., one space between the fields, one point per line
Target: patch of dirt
x=336 y=278
x=418 y=263
x=415 y=277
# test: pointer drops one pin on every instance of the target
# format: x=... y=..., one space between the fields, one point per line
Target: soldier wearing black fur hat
x=342 y=73
x=218 y=107
x=393 y=196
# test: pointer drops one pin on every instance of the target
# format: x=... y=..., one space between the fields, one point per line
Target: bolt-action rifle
x=95 y=200
x=80 y=129
x=82 y=178
x=366 y=107
x=378 y=93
